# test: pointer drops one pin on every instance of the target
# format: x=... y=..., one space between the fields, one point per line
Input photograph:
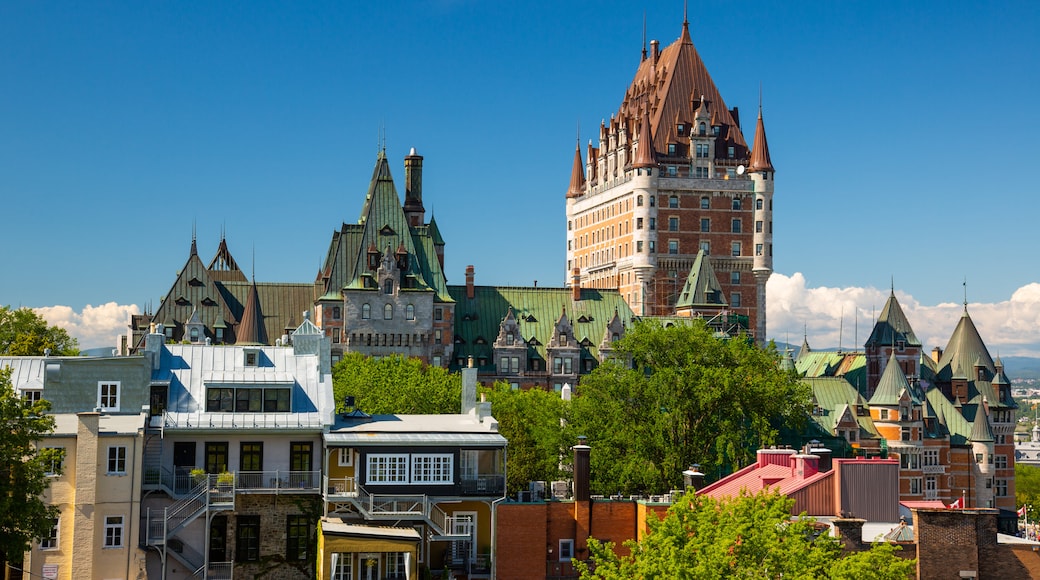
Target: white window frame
x=931 y=457
x=433 y=468
x=105 y=396
x=346 y=457
x=114 y=532
x=32 y=395
x=342 y=566
x=566 y=550
x=52 y=540
x=116 y=460
x=53 y=468
x=387 y=468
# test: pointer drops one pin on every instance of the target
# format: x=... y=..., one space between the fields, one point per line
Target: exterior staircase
x=395 y=507
x=162 y=526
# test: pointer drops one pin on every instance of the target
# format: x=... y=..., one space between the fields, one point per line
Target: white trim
x=120 y=462
x=120 y=526
x=105 y=396
x=348 y=453
x=570 y=549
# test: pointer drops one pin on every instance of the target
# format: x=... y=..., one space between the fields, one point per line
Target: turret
x=761 y=172
x=413 y=205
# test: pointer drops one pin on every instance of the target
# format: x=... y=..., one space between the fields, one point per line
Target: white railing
x=278 y=481
x=340 y=486
x=216 y=571
x=222 y=420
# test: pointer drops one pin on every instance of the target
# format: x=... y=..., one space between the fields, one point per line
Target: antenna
x=841 y=326
x=965 y=293
x=644 y=34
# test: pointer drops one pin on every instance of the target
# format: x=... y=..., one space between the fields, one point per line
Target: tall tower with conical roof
x=672 y=177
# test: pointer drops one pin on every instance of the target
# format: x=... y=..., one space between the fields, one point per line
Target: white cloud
x=844 y=316
x=94 y=326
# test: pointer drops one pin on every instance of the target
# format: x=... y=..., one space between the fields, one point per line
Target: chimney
x=582 y=472
x=851 y=530
x=804 y=465
x=469 y=282
x=413 y=206
x=936 y=354
x=655 y=50
x=693 y=478
x=469 y=389
x=576 y=284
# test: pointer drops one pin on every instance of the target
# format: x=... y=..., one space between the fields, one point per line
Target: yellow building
x=97 y=488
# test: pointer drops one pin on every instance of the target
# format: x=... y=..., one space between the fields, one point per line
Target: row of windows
x=248 y=399
x=388 y=311
x=54 y=459
x=671 y=201
x=394 y=565
x=298 y=531
x=251 y=456
x=404 y=468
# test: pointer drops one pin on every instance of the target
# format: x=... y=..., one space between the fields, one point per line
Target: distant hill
x=1015 y=367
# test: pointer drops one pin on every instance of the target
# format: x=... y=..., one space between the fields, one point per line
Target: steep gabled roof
x=252 y=329
x=965 y=350
x=702 y=287
x=892 y=385
x=980 y=429
x=577 y=174
x=670 y=86
x=223 y=266
x=892 y=326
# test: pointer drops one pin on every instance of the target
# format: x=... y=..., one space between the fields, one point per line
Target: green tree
x=741 y=537
x=531 y=421
x=25 y=333
x=24 y=517
x=396 y=384
x=1027 y=489
x=678 y=395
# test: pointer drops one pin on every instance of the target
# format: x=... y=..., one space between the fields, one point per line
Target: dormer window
x=510 y=339
x=671 y=148
x=388 y=287
x=900 y=345
x=731 y=152
x=702 y=129
x=715 y=130
x=563 y=339
x=252 y=357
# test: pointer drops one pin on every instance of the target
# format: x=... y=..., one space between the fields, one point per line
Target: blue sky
x=902 y=136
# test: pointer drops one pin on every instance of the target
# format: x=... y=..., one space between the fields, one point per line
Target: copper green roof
x=965 y=350
x=980 y=429
x=280 y=303
x=536 y=310
x=956 y=424
x=852 y=366
x=833 y=395
x=892 y=326
x=892 y=385
x=382 y=227
x=702 y=287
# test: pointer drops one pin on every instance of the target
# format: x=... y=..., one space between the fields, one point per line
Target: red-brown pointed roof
x=664 y=84
x=251 y=329
x=577 y=187
x=645 y=156
x=760 y=151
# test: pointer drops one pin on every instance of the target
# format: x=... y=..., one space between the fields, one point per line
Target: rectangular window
x=730 y=152
x=252 y=357
x=568 y=365
x=735 y=248
x=32 y=396
x=336 y=334
x=758 y=226
x=671 y=148
x=1001 y=462
x=652 y=246
x=930 y=483
x=343 y=565
x=734 y=277
x=346 y=457
x=705 y=246
x=653 y=224
x=438 y=336
x=386 y=468
x=251 y=456
x=430 y=468
x=673 y=246
x=557 y=365
x=297 y=537
x=50 y=541
x=735 y=226
x=438 y=314
x=639 y=246
x=1001 y=488
x=672 y=171
x=931 y=457
x=216 y=457
x=673 y=224
x=114 y=531
x=736 y=203
x=905 y=433
x=705 y=224
x=117 y=460
x=734 y=300
x=53 y=459
x=108 y=396
x=758 y=249
x=673 y=201
x=247 y=539
x=566 y=550
x=639 y=223
x=915 y=486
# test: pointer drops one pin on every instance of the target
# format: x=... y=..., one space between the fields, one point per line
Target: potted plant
x=225 y=479
x=198 y=475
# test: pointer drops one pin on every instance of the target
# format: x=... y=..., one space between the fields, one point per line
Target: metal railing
x=278 y=481
x=216 y=571
x=228 y=420
x=340 y=486
x=483 y=484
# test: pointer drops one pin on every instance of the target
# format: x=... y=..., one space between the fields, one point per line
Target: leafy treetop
x=396 y=385
x=23 y=332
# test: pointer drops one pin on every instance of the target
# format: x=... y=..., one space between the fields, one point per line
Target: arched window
x=194 y=334
x=639 y=200
x=366 y=311
x=388 y=312
x=702 y=129
x=409 y=312
x=388 y=287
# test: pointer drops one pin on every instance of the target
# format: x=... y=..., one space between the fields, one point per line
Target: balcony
x=933 y=469
x=483 y=484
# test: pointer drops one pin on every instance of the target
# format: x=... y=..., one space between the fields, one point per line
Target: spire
x=645 y=156
x=577 y=187
x=644 y=37
x=194 y=248
x=760 y=150
x=980 y=429
x=892 y=326
x=685 y=36
x=251 y=329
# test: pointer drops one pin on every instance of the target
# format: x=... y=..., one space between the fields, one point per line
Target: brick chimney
x=469 y=282
x=576 y=284
x=804 y=465
x=850 y=530
x=582 y=471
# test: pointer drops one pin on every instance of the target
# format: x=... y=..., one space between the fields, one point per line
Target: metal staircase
x=162 y=526
x=396 y=507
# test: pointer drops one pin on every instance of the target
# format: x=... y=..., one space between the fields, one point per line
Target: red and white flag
x=956 y=505
x=1022 y=512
